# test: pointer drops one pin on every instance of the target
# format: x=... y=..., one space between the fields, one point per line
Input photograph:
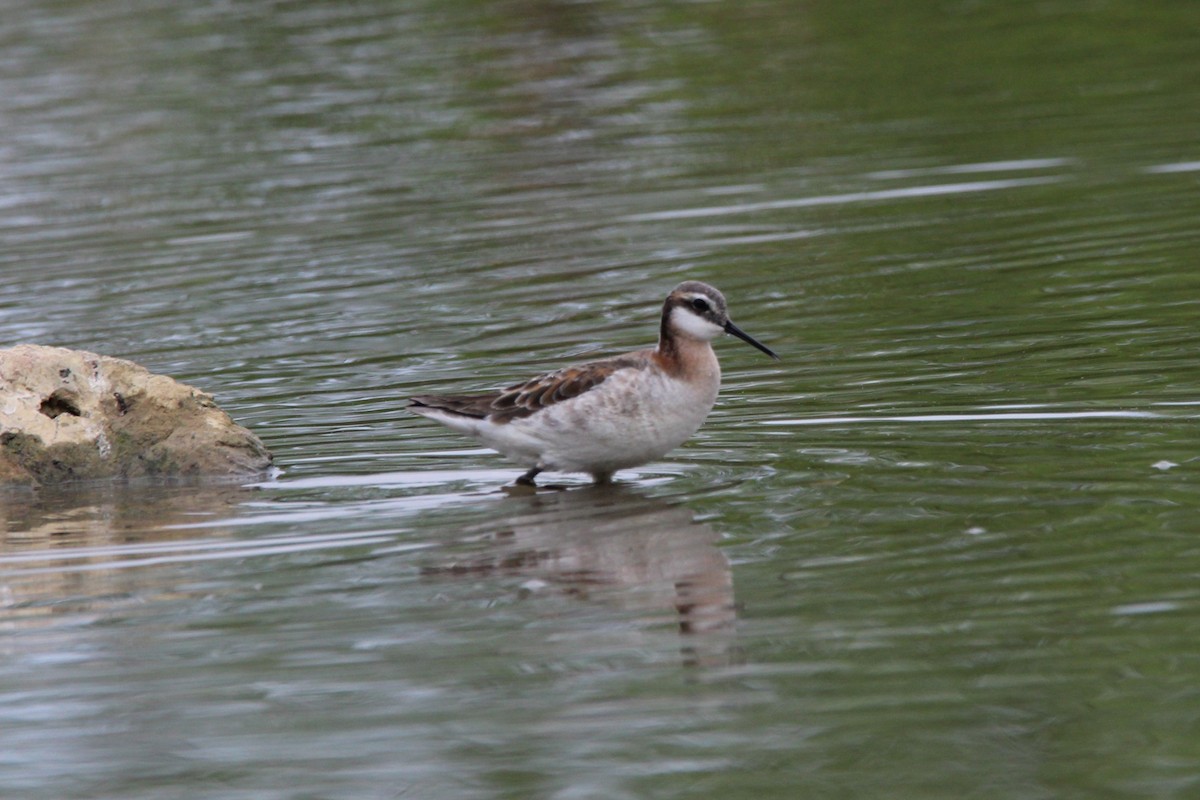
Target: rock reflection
x=68 y=551
x=613 y=545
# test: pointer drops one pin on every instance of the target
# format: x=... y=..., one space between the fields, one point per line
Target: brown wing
x=522 y=399
x=468 y=405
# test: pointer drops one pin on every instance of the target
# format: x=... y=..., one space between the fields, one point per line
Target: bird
x=615 y=413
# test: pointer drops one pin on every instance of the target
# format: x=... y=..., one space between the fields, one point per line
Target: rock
x=72 y=415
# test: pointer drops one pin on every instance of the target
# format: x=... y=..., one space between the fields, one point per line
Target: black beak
x=748 y=339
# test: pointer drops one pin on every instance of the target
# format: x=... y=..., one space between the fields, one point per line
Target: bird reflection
x=612 y=544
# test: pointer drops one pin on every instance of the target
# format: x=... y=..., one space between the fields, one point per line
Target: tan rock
x=72 y=415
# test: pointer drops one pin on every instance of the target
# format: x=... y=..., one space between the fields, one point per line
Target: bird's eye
x=700 y=304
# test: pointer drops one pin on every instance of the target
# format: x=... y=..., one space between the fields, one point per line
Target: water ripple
x=876 y=195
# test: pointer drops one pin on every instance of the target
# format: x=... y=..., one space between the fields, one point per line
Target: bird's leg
x=527 y=478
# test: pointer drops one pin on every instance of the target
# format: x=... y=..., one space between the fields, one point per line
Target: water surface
x=945 y=548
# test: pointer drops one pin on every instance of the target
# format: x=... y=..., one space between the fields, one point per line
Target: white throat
x=685 y=323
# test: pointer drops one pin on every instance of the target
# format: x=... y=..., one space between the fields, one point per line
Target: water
x=945 y=548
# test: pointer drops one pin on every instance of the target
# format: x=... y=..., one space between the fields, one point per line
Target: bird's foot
x=527 y=478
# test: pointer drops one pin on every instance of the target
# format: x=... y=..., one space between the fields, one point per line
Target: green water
x=943 y=549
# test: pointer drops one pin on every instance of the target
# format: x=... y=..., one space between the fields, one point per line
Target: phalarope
x=605 y=415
